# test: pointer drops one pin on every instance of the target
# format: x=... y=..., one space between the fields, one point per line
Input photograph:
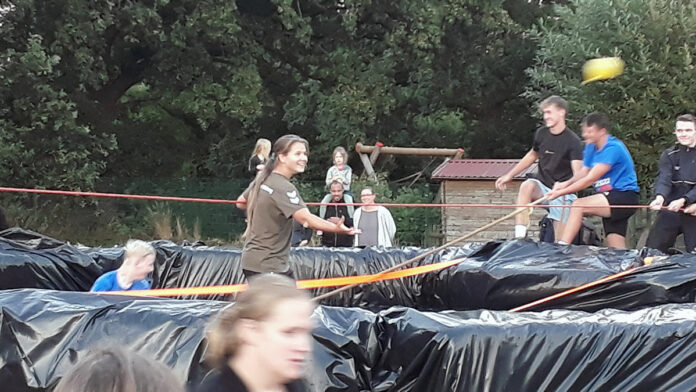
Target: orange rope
x=576 y=289
x=302 y=284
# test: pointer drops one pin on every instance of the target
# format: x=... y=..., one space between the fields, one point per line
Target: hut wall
x=459 y=221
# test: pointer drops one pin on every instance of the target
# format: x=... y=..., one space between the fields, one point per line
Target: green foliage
x=182 y=89
x=42 y=141
x=653 y=37
x=416 y=226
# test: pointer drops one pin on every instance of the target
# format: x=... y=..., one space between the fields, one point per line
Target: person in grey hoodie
x=376 y=225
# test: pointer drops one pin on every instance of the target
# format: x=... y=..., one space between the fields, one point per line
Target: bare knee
x=529 y=190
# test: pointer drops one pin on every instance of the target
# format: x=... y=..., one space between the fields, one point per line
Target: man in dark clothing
x=676 y=187
x=300 y=235
x=334 y=214
x=559 y=152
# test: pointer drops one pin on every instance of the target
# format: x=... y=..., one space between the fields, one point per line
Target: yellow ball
x=648 y=260
x=602 y=68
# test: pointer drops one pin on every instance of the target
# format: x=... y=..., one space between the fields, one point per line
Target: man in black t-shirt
x=559 y=151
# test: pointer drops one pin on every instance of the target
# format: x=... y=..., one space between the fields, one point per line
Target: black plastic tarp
x=496 y=276
x=43 y=333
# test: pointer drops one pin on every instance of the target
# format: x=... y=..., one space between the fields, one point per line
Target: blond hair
x=256 y=303
x=135 y=248
x=263 y=148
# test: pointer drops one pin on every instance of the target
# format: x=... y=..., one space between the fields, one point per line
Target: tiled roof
x=478 y=169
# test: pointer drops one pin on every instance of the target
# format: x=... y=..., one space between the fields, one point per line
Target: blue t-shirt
x=622 y=174
x=108 y=282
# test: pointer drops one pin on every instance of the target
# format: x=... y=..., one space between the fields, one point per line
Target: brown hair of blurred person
x=117 y=370
x=263 y=340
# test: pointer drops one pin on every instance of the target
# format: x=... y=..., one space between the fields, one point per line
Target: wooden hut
x=472 y=181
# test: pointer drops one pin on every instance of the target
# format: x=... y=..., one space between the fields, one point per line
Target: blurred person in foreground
x=262 y=342
x=117 y=370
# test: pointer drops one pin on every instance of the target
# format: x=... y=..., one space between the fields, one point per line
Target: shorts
x=559 y=214
x=617 y=223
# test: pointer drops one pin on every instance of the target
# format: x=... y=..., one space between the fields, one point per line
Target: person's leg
x=529 y=191
x=664 y=232
x=558 y=228
x=616 y=225
x=688 y=225
x=615 y=240
x=560 y=214
x=590 y=205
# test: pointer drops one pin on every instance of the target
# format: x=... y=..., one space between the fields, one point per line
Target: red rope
x=226 y=201
x=116 y=195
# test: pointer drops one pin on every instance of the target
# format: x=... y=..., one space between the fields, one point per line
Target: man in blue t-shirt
x=138 y=261
x=608 y=166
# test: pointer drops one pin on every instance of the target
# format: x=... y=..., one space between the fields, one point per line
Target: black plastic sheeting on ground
x=496 y=276
x=398 y=349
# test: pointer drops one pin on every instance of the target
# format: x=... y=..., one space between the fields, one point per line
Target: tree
x=653 y=37
x=163 y=88
x=414 y=74
x=159 y=77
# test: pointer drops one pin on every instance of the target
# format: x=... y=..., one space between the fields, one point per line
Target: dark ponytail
x=281 y=146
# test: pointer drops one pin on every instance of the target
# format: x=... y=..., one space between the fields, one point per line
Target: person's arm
x=308 y=219
x=663 y=182
x=241 y=202
x=349 y=177
x=329 y=176
x=690 y=196
x=349 y=219
x=391 y=226
x=524 y=163
x=351 y=209
x=356 y=223
x=691 y=209
x=581 y=172
x=306 y=236
x=579 y=184
x=100 y=284
x=322 y=209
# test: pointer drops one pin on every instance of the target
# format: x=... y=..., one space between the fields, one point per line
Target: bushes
x=105 y=221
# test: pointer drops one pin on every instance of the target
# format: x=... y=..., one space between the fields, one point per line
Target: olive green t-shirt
x=267 y=246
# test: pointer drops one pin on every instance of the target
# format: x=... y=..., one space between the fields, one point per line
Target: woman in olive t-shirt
x=272 y=202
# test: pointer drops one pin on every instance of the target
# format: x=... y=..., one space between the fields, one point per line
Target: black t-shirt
x=555 y=154
x=253 y=162
x=226 y=380
x=336 y=239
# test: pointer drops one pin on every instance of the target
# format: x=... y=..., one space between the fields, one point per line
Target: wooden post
x=442 y=152
x=368 y=166
x=379 y=148
x=375 y=153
